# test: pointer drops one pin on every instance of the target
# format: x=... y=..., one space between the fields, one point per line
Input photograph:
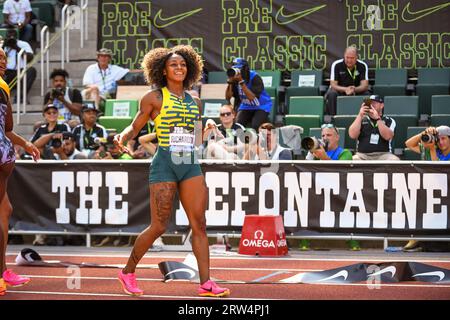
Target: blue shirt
x=261 y=103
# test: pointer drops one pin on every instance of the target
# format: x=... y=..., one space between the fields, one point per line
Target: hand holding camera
x=58 y=93
x=56 y=142
x=429 y=137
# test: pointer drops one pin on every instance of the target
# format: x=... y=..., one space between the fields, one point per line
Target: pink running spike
x=14 y=280
x=129 y=283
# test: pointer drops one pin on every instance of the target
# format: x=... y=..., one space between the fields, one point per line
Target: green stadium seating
x=409 y=154
x=304 y=121
x=313 y=105
x=440 y=104
x=211 y=107
x=344 y=121
x=116 y=123
x=272 y=82
x=440 y=120
x=348 y=105
x=46 y=12
x=121 y=108
x=402 y=124
x=431 y=81
x=402 y=105
x=390 y=82
x=217 y=77
x=298 y=89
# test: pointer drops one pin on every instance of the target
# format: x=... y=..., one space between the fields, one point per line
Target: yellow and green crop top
x=176 y=117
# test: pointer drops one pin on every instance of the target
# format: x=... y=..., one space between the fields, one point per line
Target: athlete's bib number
x=181 y=140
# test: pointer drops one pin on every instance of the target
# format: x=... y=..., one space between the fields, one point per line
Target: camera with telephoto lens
x=312 y=144
x=248 y=136
x=56 y=92
x=233 y=71
x=56 y=142
x=428 y=138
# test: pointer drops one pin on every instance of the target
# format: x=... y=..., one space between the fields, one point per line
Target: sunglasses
x=51 y=112
x=329 y=125
x=225 y=114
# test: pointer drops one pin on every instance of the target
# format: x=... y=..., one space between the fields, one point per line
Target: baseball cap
x=105 y=52
x=87 y=107
x=68 y=135
x=49 y=106
x=443 y=130
x=239 y=62
x=376 y=98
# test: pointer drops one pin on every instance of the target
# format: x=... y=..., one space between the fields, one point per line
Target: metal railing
x=68 y=18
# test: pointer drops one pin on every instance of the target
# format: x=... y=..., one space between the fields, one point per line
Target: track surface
x=101 y=284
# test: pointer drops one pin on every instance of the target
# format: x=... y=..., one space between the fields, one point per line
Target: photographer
x=12 y=47
x=108 y=150
x=88 y=134
x=67 y=100
x=17 y=14
x=49 y=134
x=266 y=145
x=328 y=147
x=433 y=143
x=250 y=98
x=374 y=131
x=68 y=150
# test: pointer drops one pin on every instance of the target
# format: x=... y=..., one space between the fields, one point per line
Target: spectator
x=68 y=150
x=266 y=146
x=374 y=132
x=222 y=140
x=100 y=78
x=49 y=134
x=88 y=134
x=250 y=98
x=332 y=150
x=17 y=14
x=12 y=47
x=434 y=145
x=348 y=76
x=67 y=100
x=146 y=141
x=108 y=150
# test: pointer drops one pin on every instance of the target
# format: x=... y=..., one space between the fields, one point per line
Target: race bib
x=181 y=140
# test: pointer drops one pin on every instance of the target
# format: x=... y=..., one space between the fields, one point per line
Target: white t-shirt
x=104 y=79
x=71 y=157
x=16 y=10
x=12 y=55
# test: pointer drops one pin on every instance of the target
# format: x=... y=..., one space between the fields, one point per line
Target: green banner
x=281 y=34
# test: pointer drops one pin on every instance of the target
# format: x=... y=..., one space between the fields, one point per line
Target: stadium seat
x=431 y=81
x=121 y=108
x=317 y=132
x=304 y=121
x=344 y=121
x=213 y=91
x=131 y=92
x=390 y=82
x=308 y=86
x=401 y=105
x=348 y=105
x=272 y=82
x=440 y=104
x=211 y=107
x=440 y=120
x=402 y=124
x=116 y=123
x=408 y=154
x=46 y=12
x=217 y=77
x=313 y=105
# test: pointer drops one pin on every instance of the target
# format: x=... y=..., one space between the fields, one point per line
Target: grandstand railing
x=67 y=20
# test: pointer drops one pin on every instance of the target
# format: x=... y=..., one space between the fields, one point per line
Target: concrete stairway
x=80 y=59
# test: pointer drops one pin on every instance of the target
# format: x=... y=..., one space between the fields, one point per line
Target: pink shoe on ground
x=14 y=280
x=129 y=284
x=211 y=289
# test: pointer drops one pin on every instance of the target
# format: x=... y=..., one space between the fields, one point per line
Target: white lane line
x=212 y=257
x=154 y=266
x=322 y=284
x=89 y=294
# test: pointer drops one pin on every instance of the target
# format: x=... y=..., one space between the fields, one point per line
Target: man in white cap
x=100 y=78
x=433 y=143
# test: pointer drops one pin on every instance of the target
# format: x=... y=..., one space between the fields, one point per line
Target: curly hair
x=59 y=72
x=155 y=61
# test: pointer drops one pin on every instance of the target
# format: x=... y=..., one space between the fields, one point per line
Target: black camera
x=56 y=142
x=312 y=144
x=56 y=92
x=233 y=71
x=428 y=138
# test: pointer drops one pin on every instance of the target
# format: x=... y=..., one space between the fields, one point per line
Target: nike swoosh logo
x=439 y=274
x=409 y=16
x=390 y=269
x=342 y=273
x=161 y=22
x=191 y=273
x=28 y=257
x=282 y=18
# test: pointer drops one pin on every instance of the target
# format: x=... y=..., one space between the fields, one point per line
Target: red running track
x=101 y=284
